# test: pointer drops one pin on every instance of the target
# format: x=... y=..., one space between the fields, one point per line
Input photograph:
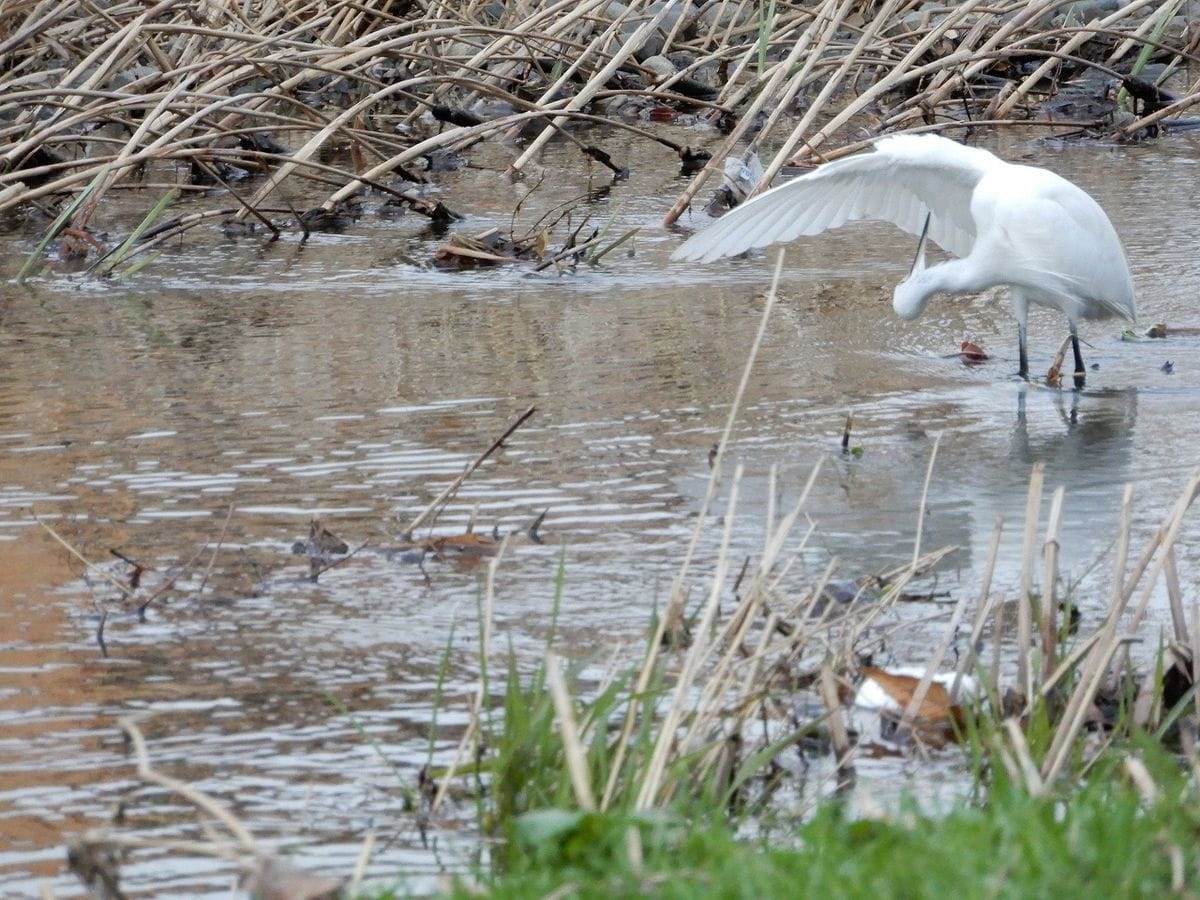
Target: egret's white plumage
x=1020 y=226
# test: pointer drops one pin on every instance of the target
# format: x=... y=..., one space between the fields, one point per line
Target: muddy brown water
x=335 y=379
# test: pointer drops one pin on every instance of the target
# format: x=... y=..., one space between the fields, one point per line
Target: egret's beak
x=919 y=260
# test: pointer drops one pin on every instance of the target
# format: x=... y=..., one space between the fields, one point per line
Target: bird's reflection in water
x=1084 y=441
x=1093 y=442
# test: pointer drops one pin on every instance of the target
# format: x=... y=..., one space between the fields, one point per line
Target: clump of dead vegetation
x=288 y=115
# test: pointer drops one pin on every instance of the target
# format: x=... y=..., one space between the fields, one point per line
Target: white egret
x=1020 y=226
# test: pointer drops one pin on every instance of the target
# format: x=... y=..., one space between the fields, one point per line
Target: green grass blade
x=766 y=24
x=109 y=261
x=443 y=668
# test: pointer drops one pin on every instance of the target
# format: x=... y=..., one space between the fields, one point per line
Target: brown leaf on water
x=463 y=546
x=972 y=354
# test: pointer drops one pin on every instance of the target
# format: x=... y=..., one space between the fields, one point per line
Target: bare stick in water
x=453 y=487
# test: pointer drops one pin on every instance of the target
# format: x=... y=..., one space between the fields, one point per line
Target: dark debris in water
x=489 y=248
x=335 y=220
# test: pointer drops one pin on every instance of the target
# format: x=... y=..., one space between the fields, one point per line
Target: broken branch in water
x=452 y=488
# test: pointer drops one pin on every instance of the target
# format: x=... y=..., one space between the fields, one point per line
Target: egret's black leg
x=1024 y=370
x=1080 y=372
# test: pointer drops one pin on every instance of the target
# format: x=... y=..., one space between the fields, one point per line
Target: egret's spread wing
x=905 y=177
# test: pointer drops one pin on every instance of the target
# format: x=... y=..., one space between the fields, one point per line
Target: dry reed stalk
x=802 y=79
x=318 y=140
x=1149 y=24
x=1164 y=539
x=1030 y=777
x=354 y=885
x=573 y=752
x=487 y=611
x=548 y=18
x=1049 y=604
x=937 y=442
x=1073 y=43
x=625 y=51
x=896 y=583
x=977 y=59
x=1070 y=664
x=470 y=737
x=721 y=679
x=992 y=46
x=780 y=533
x=125 y=590
x=800 y=132
x=1154 y=118
x=902 y=73
x=934 y=665
x=795 y=33
x=752 y=678
x=596 y=48
x=714 y=481
x=1193 y=645
x=653 y=776
x=196 y=77
x=244 y=839
x=722 y=14
x=1175 y=598
x=839 y=737
x=1096 y=662
x=831 y=20
x=997 y=631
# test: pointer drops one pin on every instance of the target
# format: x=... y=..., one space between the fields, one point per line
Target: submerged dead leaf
x=972 y=354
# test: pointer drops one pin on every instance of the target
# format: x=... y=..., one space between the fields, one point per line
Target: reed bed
x=271 y=104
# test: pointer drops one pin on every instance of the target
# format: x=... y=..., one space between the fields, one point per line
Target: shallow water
x=335 y=379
